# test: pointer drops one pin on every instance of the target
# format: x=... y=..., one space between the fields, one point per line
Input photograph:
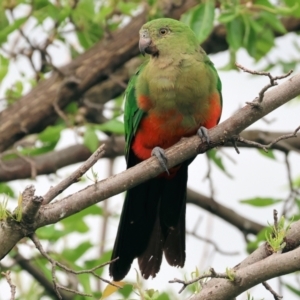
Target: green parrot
x=175 y=94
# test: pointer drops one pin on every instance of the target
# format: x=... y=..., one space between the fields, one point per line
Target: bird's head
x=163 y=36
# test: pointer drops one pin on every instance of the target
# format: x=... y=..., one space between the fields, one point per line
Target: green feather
x=132 y=113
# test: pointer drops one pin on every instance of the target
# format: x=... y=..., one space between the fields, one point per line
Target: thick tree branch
x=11 y=231
x=259 y=266
x=48 y=163
x=243 y=224
x=52 y=161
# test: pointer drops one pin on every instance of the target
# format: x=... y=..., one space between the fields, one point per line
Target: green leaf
x=76 y=222
x=250 y=43
x=112 y=126
x=3 y=19
x=4 y=63
x=38 y=4
x=260 y=237
x=51 y=134
x=41 y=264
x=272 y=20
x=163 y=296
x=6 y=189
x=50 y=233
x=85 y=280
x=73 y=254
x=269 y=154
x=126 y=290
x=10 y=28
x=89 y=32
x=227 y=17
x=201 y=19
x=294 y=6
x=260 y=201
x=90 y=139
x=37 y=151
x=235 y=33
x=292 y=289
x=106 y=256
x=86 y=8
x=212 y=154
x=72 y=108
x=264 y=43
x=127 y=7
x=255 y=25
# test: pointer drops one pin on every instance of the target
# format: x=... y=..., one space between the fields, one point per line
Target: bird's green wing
x=132 y=113
x=219 y=83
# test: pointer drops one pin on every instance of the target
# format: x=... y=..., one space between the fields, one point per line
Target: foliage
x=276 y=238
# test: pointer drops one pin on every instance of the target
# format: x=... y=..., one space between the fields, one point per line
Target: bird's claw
x=160 y=155
x=203 y=134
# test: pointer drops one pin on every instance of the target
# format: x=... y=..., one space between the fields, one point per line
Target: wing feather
x=132 y=114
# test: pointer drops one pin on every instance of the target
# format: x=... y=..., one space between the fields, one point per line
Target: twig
x=61 y=114
x=290 y=201
x=269 y=288
x=211 y=243
x=212 y=274
x=30 y=161
x=117 y=80
x=268 y=146
x=55 y=263
x=273 y=82
x=233 y=141
x=275 y=217
x=11 y=285
x=38 y=275
x=75 y=176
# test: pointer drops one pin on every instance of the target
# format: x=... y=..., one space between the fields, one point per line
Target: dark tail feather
x=152 y=221
x=150 y=260
x=136 y=225
x=172 y=217
x=174 y=247
x=168 y=234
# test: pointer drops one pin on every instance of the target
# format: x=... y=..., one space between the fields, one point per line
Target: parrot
x=174 y=94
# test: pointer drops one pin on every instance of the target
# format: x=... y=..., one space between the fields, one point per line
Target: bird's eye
x=163 y=31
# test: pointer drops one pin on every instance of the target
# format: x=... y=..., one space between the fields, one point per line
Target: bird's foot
x=203 y=134
x=161 y=156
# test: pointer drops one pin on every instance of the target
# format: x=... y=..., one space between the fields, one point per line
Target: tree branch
x=262 y=263
x=50 y=162
x=243 y=224
x=259 y=266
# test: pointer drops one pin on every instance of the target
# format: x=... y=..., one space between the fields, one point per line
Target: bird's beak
x=145 y=42
x=146 y=45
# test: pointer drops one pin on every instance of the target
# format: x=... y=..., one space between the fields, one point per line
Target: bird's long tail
x=152 y=222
